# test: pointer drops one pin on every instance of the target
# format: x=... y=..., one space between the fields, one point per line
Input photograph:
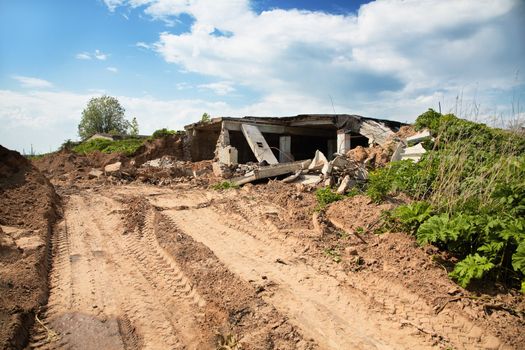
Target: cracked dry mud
x=186 y=266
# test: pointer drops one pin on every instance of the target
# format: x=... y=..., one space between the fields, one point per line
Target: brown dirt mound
x=172 y=145
x=28 y=209
x=74 y=165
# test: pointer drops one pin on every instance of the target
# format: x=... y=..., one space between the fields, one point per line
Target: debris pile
x=167 y=170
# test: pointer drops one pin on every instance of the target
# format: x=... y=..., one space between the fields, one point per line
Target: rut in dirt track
x=115 y=291
x=370 y=314
x=113 y=286
x=188 y=267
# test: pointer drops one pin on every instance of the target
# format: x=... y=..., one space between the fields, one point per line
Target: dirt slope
x=28 y=208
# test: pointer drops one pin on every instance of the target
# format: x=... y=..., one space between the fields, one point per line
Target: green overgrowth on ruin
x=127 y=146
x=470 y=197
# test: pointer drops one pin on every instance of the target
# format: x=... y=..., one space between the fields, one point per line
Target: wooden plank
x=258 y=144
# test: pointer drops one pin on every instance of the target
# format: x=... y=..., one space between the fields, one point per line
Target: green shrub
x=411 y=216
x=224 y=185
x=326 y=196
x=473 y=178
x=473 y=266
x=157 y=134
x=127 y=147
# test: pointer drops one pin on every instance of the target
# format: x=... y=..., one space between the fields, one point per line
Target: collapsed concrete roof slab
x=300 y=135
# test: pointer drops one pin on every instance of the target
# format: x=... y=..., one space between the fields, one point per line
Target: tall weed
x=473 y=178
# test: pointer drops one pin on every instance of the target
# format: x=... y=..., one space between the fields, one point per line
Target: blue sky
x=169 y=61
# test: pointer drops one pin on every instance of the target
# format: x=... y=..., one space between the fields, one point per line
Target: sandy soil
x=143 y=267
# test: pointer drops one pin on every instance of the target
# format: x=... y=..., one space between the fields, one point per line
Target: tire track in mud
x=234 y=306
x=332 y=318
x=115 y=291
x=382 y=296
x=376 y=306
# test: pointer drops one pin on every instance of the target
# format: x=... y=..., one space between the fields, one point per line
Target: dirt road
x=152 y=268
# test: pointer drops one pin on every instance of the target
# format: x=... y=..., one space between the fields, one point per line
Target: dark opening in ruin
x=357 y=140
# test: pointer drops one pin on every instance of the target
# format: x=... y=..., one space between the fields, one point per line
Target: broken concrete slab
x=293 y=177
x=271 y=171
x=375 y=132
x=258 y=144
x=318 y=162
x=344 y=185
x=113 y=168
x=308 y=179
x=95 y=173
x=398 y=151
x=419 y=137
x=228 y=155
x=415 y=152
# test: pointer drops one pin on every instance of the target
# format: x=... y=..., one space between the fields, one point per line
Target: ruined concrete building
x=270 y=141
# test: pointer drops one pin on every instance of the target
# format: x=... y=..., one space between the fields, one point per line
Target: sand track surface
x=138 y=267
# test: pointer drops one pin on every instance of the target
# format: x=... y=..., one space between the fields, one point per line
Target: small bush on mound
x=224 y=185
x=326 y=196
x=164 y=132
x=127 y=147
x=470 y=188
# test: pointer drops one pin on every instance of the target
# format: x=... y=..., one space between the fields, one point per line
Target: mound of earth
x=172 y=145
x=68 y=165
x=28 y=209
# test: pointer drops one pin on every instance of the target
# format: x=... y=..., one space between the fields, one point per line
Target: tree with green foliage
x=206 y=118
x=103 y=115
x=134 y=127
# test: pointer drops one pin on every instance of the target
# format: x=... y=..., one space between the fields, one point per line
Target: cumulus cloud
x=112 y=69
x=45 y=119
x=410 y=50
x=30 y=82
x=220 y=88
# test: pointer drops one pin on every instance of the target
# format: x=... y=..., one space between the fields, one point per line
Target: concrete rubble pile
x=343 y=172
x=411 y=147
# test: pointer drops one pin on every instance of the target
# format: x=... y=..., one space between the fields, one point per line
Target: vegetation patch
x=224 y=185
x=127 y=146
x=157 y=134
x=470 y=197
x=326 y=196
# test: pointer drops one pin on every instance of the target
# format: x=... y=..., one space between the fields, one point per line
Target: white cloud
x=99 y=55
x=389 y=53
x=112 y=69
x=113 y=4
x=220 y=88
x=83 y=56
x=143 y=45
x=30 y=82
x=46 y=119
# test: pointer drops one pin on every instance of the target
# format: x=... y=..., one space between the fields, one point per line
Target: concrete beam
x=281 y=129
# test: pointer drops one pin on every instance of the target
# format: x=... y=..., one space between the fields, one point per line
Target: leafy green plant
x=473 y=266
x=157 y=134
x=326 y=196
x=411 y=216
x=470 y=196
x=127 y=146
x=224 y=185
x=206 y=118
x=334 y=254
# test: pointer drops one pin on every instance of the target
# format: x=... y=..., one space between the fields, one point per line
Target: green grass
x=470 y=188
x=224 y=185
x=127 y=147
